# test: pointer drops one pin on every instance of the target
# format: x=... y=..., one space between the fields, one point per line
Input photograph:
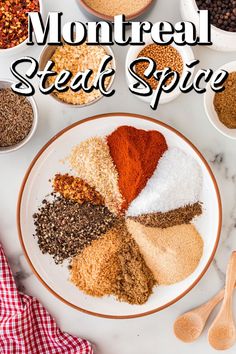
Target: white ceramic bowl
x=46 y=55
x=20 y=47
x=5 y=83
x=36 y=186
x=186 y=54
x=221 y=40
x=210 y=109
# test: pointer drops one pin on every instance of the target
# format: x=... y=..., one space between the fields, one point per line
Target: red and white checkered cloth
x=26 y=327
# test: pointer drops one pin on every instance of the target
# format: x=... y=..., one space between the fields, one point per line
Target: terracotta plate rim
x=127 y=115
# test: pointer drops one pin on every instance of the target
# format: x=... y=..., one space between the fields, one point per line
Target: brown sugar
x=172 y=254
x=113 y=265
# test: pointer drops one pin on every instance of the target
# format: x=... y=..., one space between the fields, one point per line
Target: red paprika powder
x=136 y=153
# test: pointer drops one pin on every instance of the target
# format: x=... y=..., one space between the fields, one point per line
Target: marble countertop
x=152 y=334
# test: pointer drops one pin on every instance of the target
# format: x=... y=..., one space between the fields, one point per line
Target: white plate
x=36 y=185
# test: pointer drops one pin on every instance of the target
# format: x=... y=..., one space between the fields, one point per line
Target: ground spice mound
x=75 y=188
x=174 y=217
x=225 y=102
x=113 y=265
x=64 y=227
x=176 y=182
x=172 y=254
x=117 y=7
x=16 y=117
x=164 y=56
x=136 y=153
x=92 y=162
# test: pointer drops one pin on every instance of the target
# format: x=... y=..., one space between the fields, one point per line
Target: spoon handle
x=230 y=279
x=205 y=309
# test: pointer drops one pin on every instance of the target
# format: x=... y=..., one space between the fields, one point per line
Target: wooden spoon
x=189 y=326
x=222 y=333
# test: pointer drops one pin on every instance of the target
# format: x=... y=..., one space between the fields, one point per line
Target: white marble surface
x=153 y=334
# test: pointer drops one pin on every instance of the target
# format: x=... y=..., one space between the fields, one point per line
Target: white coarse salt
x=176 y=182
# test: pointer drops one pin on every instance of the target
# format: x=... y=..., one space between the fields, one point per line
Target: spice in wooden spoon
x=189 y=326
x=222 y=333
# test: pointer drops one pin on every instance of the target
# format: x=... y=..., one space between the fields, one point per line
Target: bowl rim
x=227 y=132
x=107 y=115
x=108 y=50
x=19 y=46
x=27 y=138
x=95 y=13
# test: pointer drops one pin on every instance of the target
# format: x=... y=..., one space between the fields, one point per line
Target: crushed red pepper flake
x=14 y=21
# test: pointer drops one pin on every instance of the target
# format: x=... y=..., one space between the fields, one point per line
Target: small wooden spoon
x=222 y=333
x=189 y=326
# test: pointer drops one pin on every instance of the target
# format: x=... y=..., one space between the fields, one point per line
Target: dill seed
x=16 y=117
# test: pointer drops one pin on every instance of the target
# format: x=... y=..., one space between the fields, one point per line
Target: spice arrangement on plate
x=223 y=13
x=14 y=21
x=16 y=117
x=76 y=59
x=124 y=216
x=164 y=57
x=225 y=102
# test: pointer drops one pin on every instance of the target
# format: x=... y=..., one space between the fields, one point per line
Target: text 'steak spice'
x=164 y=57
x=172 y=253
x=225 y=102
x=113 y=265
x=64 y=227
x=92 y=162
x=135 y=153
x=14 y=21
x=16 y=117
x=75 y=188
x=117 y=7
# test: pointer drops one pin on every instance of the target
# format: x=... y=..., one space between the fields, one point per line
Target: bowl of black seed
x=18 y=118
x=222 y=19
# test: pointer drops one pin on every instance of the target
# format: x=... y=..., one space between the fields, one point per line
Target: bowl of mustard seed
x=18 y=118
x=220 y=107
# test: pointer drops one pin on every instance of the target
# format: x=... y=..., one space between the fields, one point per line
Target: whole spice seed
x=135 y=153
x=64 y=227
x=183 y=215
x=92 y=162
x=117 y=7
x=113 y=265
x=14 y=21
x=223 y=13
x=78 y=59
x=164 y=56
x=225 y=102
x=172 y=253
x=176 y=182
x=16 y=117
x=77 y=189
